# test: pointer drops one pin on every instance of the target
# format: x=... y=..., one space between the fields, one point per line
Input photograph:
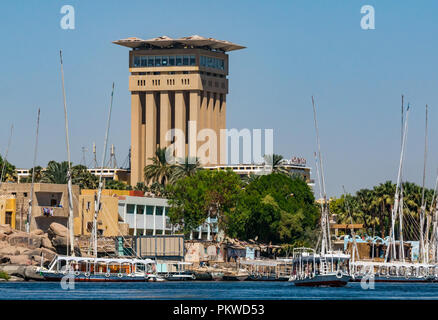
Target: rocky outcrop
x=24 y=239
x=57 y=230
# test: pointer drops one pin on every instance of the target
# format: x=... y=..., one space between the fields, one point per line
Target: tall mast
x=423 y=205
x=6 y=155
x=29 y=210
x=325 y=243
x=395 y=209
x=353 y=234
x=99 y=191
x=69 y=182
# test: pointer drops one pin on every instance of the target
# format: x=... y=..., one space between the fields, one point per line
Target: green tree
x=116 y=185
x=82 y=177
x=205 y=194
x=38 y=175
x=56 y=172
x=275 y=208
x=160 y=170
x=187 y=167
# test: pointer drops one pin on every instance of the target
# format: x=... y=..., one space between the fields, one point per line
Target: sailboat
x=94 y=269
x=396 y=267
x=322 y=266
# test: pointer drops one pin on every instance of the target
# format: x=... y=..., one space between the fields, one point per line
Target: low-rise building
x=49 y=203
x=109 y=222
x=145 y=215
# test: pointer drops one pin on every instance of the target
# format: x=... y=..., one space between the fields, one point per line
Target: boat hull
x=50 y=276
x=234 y=278
x=330 y=280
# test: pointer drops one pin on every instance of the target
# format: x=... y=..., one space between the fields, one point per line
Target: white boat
x=90 y=269
x=312 y=269
x=325 y=267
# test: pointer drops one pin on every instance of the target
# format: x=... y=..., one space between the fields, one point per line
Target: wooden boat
x=325 y=268
x=311 y=269
x=89 y=269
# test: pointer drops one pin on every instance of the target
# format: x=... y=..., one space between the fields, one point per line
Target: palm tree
x=56 y=172
x=160 y=170
x=275 y=161
x=186 y=168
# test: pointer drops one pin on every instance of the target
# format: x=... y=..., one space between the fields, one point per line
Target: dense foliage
x=372 y=208
x=275 y=208
x=205 y=194
x=271 y=208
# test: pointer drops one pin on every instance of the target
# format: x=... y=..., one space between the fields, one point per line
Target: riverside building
x=172 y=82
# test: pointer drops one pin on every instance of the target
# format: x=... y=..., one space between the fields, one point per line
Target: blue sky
x=295 y=49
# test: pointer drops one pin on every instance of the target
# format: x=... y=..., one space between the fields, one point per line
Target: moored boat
x=89 y=269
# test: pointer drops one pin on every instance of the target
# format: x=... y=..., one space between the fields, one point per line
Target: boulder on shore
x=20 y=259
x=37 y=232
x=14 y=270
x=46 y=243
x=30 y=273
x=57 y=229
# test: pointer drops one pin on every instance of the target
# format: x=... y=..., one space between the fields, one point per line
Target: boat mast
x=99 y=191
x=29 y=210
x=325 y=243
x=6 y=154
x=320 y=193
x=423 y=205
x=353 y=234
x=69 y=182
x=395 y=209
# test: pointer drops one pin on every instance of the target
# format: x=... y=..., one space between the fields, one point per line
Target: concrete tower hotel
x=172 y=82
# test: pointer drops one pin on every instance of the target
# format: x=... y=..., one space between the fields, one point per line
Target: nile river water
x=211 y=290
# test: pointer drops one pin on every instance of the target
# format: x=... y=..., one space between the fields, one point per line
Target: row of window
x=157 y=82
x=164 y=61
x=211 y=62
x=169 y=61
x=130 y=209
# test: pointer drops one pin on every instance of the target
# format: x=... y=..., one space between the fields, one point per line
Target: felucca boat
x=322 y=267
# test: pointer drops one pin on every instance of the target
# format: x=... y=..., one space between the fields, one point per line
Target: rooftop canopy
x=194 y=41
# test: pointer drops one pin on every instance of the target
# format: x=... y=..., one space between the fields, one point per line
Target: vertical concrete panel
x=180 y=113
x=195 y=103
x=216 y=124
x=136 y=138
x=165 y=118
x=151 y=126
